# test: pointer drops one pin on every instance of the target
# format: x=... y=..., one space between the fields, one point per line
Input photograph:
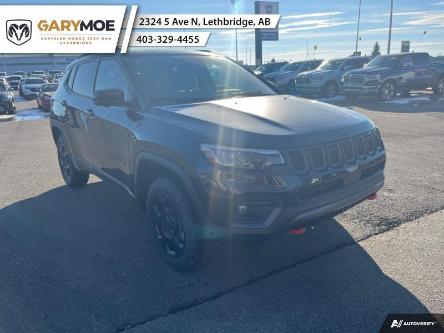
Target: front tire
x=173 y=223
x=387 y=92
x=73 y=177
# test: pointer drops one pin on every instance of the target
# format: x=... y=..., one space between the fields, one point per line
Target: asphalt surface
x=368 y=279
x=83 y=260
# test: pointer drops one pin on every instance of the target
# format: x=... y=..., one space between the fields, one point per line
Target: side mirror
x=108 y=97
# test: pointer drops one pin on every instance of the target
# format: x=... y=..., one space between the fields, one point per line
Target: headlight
x=373 y=77
x=241 y=158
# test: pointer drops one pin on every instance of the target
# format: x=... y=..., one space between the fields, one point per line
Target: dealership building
x=29 y=63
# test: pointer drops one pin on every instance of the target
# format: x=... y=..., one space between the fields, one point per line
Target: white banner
x=60 y=28
x=206 y=21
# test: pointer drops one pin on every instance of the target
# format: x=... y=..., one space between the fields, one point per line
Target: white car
x=31 y=87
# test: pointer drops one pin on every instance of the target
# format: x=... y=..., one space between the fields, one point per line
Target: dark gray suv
x=208 y=150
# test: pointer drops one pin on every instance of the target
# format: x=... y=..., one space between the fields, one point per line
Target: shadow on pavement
x=83 y=260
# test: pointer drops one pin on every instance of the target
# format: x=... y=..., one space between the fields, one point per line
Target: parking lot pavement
x=349 y=290
x=83 y=260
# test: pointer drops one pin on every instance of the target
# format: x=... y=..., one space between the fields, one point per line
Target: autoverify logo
x=396 y=323
x=19 y=31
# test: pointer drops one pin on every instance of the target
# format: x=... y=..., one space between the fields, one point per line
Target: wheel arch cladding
x=150 y=166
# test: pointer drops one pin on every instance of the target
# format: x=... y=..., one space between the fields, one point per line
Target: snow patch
x=31 y=114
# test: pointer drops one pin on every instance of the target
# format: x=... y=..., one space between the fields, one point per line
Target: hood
x=370 y=71
x=254 y=119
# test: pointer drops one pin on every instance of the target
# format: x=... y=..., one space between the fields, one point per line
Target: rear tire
x=72 y=176
x=174 y=225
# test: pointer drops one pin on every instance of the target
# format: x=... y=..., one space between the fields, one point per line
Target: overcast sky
x=331 y=25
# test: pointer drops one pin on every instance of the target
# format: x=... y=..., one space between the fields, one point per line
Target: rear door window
x=110 y=76
x=84 y=78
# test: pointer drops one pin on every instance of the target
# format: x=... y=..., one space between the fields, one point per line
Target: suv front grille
x=297 y=160
x=353 y=79
x=334 y=154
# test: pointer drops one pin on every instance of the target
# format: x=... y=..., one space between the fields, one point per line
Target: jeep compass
x=209 y=150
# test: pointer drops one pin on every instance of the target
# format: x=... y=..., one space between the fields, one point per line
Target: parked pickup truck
x=387 y=75
x=326 y=79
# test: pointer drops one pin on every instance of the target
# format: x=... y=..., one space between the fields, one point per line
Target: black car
x=7 y=101
x=208 y=150
x=387 y=75
x=271 y=67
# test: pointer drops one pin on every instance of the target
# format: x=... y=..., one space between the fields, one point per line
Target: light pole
x=246 y=52
x=357 y=30
x=390 y=28
x=234 y=3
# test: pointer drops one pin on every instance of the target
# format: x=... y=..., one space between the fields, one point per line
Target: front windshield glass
x=177 y=79
x=49 y=87
x=331 y=64
x=34 y=81
x=384 y=61
x=294 y=66
x=14 y=78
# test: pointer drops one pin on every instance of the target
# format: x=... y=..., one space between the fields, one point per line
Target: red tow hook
x=372 y=196
x=297 y=232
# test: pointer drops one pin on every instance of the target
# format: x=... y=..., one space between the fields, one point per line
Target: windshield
x=49 y=87
x=38 y=72
x=384 y=61
x=34 y=81
x=176 y=79
x=294 y=66
x=14 y=78
x=331 y=64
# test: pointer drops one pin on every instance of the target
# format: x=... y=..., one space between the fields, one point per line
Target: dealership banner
x=60 y=28
x=103 y=28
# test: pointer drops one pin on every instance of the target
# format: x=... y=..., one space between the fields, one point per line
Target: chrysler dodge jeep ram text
x=207 y=149
x=386 y=75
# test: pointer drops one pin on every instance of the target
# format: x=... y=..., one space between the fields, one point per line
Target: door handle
x=90 y=113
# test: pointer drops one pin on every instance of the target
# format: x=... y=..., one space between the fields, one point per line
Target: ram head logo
x=18 y=31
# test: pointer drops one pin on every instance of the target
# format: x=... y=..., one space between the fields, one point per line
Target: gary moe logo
x=18 y=31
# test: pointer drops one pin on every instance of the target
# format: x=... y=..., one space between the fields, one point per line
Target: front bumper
x=308 y=90
x=297 y=203
x=29 y=94
x=8 y=105
x=360 y=90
